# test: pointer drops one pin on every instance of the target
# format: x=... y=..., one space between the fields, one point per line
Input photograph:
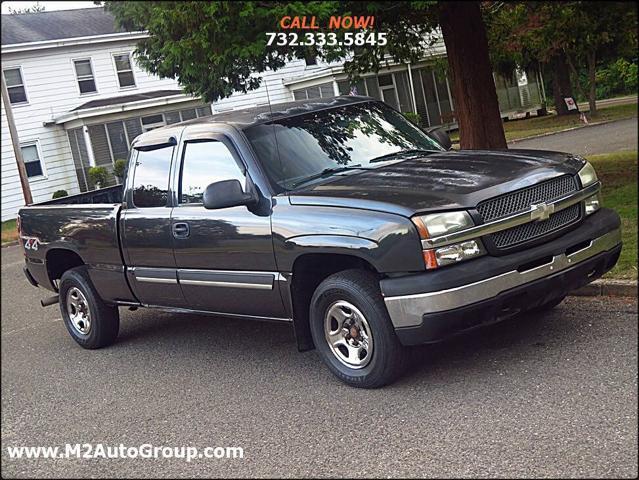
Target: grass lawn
x=529 y=127
x=618 y=174
x=9 y=231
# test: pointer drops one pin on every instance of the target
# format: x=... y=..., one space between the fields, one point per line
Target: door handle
x=181 y=230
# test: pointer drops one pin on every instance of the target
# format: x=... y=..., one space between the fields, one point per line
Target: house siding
x=52 y=89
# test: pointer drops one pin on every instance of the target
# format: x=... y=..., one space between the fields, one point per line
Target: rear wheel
x=90 y=322
x=352 y=331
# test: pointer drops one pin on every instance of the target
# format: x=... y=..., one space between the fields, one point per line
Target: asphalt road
x=608 y=137
x=550 y=395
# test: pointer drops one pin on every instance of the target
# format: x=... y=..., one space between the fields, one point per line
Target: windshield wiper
x=401 y=153
x=328 y=171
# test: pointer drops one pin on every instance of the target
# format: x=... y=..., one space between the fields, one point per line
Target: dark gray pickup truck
x=337 y=215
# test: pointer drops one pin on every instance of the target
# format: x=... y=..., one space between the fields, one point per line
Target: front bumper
x=431 y=306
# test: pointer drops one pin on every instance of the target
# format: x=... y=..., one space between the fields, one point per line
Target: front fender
x=388 y=242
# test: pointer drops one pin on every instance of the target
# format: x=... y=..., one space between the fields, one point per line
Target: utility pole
x=22 y=171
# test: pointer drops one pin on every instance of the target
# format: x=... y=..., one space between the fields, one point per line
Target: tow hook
x=45 y=302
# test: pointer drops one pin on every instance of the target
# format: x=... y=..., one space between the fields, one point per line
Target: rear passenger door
x=224 y=257
x=146 y=228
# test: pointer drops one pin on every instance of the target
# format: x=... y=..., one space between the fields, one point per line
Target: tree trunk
x=476 y=104
x=592 y=79
x=561 y=85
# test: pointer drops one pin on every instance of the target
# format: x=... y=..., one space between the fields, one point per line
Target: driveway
x=542 y=395
x=608 y=137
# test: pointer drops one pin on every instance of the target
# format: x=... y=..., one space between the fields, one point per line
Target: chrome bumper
x=407 y=310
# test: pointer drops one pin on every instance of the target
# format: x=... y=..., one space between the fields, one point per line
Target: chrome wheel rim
x=78 y=311
x=348 y=334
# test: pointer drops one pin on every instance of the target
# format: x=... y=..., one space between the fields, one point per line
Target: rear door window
x=151 y=177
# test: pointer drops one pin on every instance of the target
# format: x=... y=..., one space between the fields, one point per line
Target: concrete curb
x=10 y=244
x=516 y=140
x=608 y=288
x=547 y=134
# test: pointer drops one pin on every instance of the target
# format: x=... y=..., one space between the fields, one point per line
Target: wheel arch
x=59 y=260
x=308 y=271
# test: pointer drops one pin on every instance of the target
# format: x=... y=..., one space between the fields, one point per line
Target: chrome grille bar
x=504 y=223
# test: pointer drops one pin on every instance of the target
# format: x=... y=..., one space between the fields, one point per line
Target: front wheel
x=352 y=331
x=91 y=322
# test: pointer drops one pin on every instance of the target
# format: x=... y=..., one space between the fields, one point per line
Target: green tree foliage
x=119 y=167
x=217 y=48
x=60 y=194
x=586 y=33
x=99 y=176
x=617 y=78
x=414 y=117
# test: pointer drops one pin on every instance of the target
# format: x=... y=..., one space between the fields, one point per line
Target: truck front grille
x=532 y=230
x=520 y=201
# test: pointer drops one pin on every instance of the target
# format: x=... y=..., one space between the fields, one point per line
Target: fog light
x=592 y=204
x=458 y=252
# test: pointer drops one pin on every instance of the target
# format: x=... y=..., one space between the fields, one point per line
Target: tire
x=368 y=354
x=79 y=297
x=549 y=305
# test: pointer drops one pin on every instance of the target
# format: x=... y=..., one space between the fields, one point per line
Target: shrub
x=60 y=194
x=119 y=168
x=414 y=117
x=98 y=175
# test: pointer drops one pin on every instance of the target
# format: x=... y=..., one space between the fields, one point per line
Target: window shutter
x=326 y=90
x=188 y=114
x=100 y=145
x=373 y=88
x=117 y=137
x=133 y=128
x=172 y=117
x=204 y=111
x=80 y=157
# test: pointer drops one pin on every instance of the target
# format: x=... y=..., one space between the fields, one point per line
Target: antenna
x=270 y=108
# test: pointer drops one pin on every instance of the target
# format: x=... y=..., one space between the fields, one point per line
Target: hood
x=441 y=181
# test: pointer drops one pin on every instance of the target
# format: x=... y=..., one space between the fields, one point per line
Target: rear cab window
x=151 y=177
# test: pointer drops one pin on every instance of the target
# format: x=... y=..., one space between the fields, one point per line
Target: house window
x=124 y=70
x=324 y=90
x=15 y=85
x=32 y=161
x=152 y=122
x=84 y=72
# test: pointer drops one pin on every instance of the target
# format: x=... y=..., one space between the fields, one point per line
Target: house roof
x=56 y=25
x=104 y=102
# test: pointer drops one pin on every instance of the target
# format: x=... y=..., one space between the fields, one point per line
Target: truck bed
x=103 y=195
x=85 y=225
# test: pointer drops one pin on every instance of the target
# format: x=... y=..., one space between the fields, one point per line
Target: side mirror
x=442 y=137
x=227 y=193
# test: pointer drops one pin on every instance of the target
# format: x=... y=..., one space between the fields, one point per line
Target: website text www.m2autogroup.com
x=145 y=451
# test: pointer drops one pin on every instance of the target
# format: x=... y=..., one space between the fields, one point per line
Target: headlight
x=438 y=224
x=587 y=175
x=592 y=204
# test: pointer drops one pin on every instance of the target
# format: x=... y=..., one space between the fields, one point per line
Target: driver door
x=224 y=258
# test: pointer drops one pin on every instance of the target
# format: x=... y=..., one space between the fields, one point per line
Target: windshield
x=317 y=144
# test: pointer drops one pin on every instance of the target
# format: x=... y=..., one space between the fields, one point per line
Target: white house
x=78 y=97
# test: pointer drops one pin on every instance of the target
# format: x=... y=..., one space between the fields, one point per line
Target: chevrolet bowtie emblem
x=541 y=211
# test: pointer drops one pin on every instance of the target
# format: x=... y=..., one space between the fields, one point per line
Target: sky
x=48 y=6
